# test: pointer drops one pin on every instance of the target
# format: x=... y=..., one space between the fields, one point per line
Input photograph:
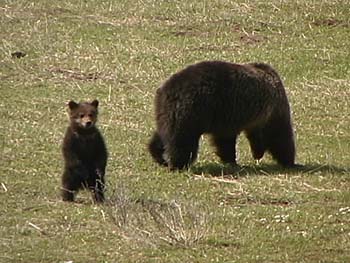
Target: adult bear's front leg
x=225 y=147
x=182 y=151
x=156 y=149
x=279 y=138
x=256 y=141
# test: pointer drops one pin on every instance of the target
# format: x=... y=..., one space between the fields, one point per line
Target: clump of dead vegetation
x=152 y=221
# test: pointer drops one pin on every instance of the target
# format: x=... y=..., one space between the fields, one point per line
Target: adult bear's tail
x=156 y=149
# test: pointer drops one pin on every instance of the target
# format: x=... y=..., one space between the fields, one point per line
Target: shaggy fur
x=84 y=153
x=222 y=99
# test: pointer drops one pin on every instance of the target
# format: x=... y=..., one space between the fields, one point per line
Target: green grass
x=120 y=52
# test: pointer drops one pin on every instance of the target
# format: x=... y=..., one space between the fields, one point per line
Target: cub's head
x=83 y=115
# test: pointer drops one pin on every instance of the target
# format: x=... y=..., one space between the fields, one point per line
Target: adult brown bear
x=222 y=99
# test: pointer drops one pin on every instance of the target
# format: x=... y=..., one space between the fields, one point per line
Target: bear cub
x=222 y=99
x=84 y=151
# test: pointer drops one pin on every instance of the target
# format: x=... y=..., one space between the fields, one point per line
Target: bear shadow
x=217 y=169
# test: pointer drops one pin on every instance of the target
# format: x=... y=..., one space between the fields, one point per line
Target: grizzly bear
x=222 y=99
x=84 y=152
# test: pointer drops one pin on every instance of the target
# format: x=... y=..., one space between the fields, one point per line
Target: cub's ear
x=72 y=105
x=94 y=103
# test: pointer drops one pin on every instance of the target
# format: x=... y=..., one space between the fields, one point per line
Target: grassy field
x=120 y=52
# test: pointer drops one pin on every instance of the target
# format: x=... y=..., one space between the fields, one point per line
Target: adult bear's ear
x=72 y=105
x=94 y=103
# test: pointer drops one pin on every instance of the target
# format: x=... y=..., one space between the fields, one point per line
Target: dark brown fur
x=84 y=152
x=222 y=99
